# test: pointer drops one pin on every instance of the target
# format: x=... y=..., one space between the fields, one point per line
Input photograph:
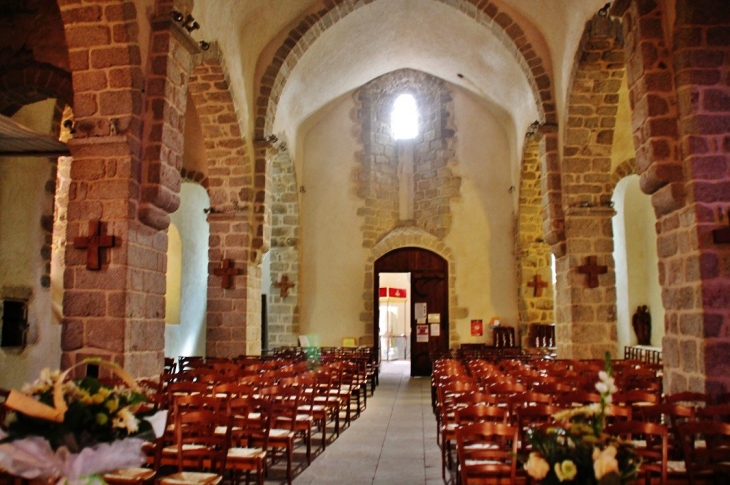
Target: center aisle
x=393 y=441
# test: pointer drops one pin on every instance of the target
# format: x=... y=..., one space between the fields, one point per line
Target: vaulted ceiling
x=376 y=37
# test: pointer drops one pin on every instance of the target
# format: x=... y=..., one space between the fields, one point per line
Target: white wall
x=637 y=264
x=188 y=337
x=22 y=201
x=333 y=259
x=482 y=236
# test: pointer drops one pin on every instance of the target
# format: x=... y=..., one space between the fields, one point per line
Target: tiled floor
x=392 y=442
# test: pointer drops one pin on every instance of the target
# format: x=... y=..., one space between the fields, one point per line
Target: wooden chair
x=526 y=399
x=670 y=415
x=474 y=413
x=486 y=451
x=539 y=415
x=165 y=450
x=199 y=448
x=284 y=402
x=706 y=447
x=250 y=421
x=318 y=412
x=650 y=442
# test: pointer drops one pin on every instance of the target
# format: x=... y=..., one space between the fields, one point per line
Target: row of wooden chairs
x=499 y=405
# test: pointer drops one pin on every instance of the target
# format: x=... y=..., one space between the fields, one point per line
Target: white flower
x=601 y=387
x=536 y=466
x=604 y=461
x=565 y=470
x=126 y=419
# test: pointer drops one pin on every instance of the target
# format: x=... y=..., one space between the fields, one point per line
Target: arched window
x=404 y=118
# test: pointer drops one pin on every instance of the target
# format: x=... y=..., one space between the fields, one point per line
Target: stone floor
x=393 y=441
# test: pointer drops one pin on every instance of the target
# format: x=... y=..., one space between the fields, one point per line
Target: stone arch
x=623 y=169
x=230 y=173
x=402 y=237
x=23 y=85
x=195 y=177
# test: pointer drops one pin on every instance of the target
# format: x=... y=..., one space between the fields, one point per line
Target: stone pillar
x=533 y=253
x=230 y=333
x=284 y=311
x=586 y=317
x=680 y=117
x=696 y=281
x=117 y=311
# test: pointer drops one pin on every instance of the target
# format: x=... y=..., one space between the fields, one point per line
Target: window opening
x=404 y=118
x=15 y=323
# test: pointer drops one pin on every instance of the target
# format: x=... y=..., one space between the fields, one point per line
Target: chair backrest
x=198 y=445
x=687 y=398
x=718 y=412
x=250 y=422
x=577 y=399
x=485 y=451
x=479 y=413
x=636 y=397
x=615 y=413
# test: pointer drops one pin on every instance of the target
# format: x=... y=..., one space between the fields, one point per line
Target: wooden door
x=429 y=285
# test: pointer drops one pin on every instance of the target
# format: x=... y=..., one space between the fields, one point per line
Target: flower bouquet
x=578 y=450
x=71 y=430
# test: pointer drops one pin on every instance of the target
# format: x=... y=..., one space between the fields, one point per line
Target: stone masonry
x=533 y=252
x=283 y=325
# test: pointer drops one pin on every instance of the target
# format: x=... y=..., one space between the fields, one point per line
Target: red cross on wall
x=284 y=286
x=226 y=271
x=94 y=243
x=538 y=284
x=592 y=269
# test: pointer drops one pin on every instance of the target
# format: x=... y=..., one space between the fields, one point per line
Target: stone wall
x=435 y=185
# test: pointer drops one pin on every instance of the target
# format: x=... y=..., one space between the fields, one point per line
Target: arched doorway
x=430 y=286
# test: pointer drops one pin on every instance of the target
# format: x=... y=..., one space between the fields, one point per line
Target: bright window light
x=404 y=118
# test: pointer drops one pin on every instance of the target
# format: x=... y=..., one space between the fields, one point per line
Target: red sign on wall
x=392 y=293
x=477 y=328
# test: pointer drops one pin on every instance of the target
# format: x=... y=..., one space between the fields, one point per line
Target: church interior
x=224 y=178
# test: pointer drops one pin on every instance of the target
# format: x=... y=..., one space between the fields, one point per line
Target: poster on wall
x=420 y=311
x=434 y=318
x=435 y=330
x=422 y=333
x=477 y=328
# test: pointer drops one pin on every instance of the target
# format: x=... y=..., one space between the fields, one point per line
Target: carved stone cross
x=537 y=283
x=284 y=286
x=592 y=269
x=94 y=243
x=226 y=271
